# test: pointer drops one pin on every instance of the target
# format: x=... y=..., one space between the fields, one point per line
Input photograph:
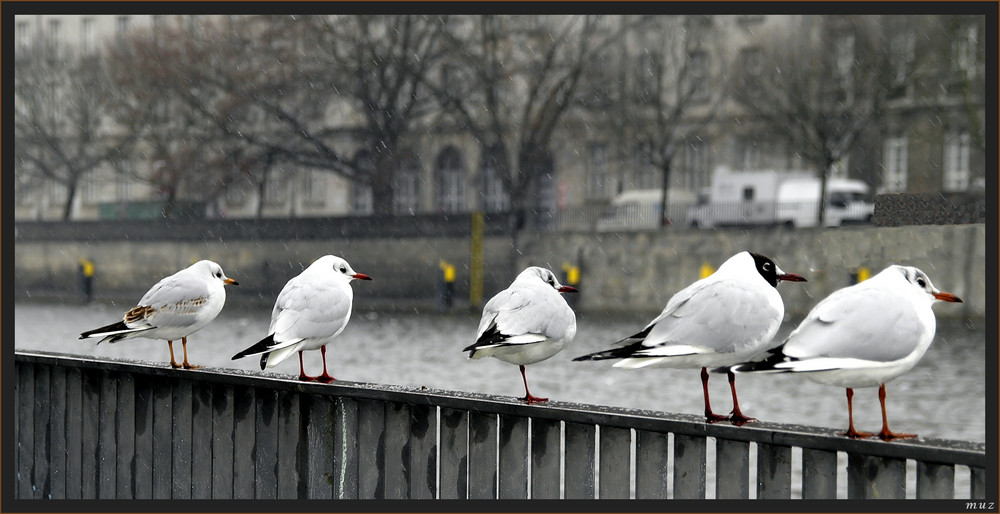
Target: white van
x=847 y=202
x=639 y=209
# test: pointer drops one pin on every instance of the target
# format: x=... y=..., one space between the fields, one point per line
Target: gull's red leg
x=527 y=394
x=302 y=371
x=173 y=362
x=853 y=434
x=709 y=416
x=885 y=434
x=184 y=343
x=325 y=377
x=737 y=418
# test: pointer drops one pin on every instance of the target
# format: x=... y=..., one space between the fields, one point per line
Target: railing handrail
x=968 y=453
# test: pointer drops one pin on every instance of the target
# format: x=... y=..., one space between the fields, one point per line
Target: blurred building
x=929 y=139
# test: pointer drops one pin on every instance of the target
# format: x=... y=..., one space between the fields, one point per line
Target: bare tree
x=61 y=132
x=310 y=90
x=818 y=86
x=677 y=91
x=510 y=81
x=177 y=117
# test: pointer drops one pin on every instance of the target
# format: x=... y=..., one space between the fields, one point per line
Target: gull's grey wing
x=843 y=326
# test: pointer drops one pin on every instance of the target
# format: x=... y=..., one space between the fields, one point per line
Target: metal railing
x=90 y=428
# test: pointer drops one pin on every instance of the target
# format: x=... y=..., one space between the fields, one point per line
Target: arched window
x=495 y=195
x=361 y=189
x=450 y=181
x=406 y=189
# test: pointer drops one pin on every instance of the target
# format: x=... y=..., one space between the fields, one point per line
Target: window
x=647 y=75
x=748 y=192
x=314 y=188
x=751 y=59
x=55 y=29
x=451 y=182
x=236 y=195
x=124 y=191
x=901 y=51
x=695 y=174
x=894 y=165
x=957 y=148
x=53 y=35
x=698 y=76
x=88 y=37
x=751 y=19
x=23 y=31
x=597 y=172
x=495 y=196
x=361 y=199
x=645 y=174
x=275 y=189
x=159 y=25
x=91 y=191
x=57 y=192
x=361 y=189
x=964 y=52
x=406 y=193
x=844 y=65
x=123 y=27
x=751 y=155
x=193 y=25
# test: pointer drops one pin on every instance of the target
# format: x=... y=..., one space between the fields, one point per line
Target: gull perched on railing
x=311 y=310
x=174 y=308
x=722 y=319
x=862 y=336
x=526 y=323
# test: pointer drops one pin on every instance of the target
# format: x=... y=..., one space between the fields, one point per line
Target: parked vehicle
x=773 y=197
x=639 y=209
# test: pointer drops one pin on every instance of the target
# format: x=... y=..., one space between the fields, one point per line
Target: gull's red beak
x=947 y=297
x=792 y=277
x=361 y=276
x=568 y=289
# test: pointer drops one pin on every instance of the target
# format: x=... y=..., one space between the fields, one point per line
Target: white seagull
x=174 y=308
x=862 y=336
x=526 y=323
x=722 y=319
x=311 y=310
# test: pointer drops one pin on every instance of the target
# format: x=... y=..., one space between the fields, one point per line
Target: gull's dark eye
x=766 y=266
x=921 y=283
x=343 y=269
x=218 y=274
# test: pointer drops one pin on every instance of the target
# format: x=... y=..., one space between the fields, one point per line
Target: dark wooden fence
x=108 y=429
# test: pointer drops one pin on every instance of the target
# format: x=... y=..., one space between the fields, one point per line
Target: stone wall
x=619 y=271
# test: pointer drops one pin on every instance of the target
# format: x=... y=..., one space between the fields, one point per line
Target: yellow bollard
x=448 y=270
x=571 y=274
x=447 y=284
x=706 y=269
x=863 y=273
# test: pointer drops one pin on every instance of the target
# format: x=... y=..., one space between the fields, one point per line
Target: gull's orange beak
x=230 y=282
x=947 y=297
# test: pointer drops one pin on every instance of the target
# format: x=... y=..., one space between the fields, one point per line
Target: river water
x=944 y=396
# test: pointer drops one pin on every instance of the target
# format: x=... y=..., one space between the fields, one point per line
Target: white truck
x=772 y=197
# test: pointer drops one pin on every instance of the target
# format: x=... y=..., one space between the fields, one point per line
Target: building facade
x=930 y=136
